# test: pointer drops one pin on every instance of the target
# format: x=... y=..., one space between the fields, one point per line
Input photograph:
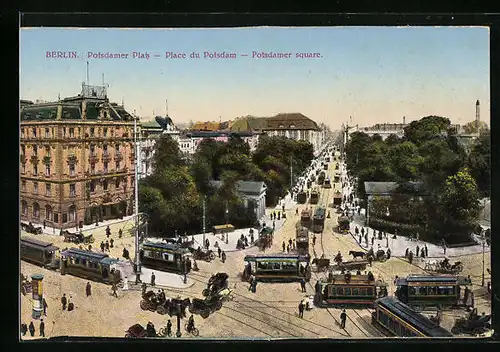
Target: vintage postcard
x=255 y=183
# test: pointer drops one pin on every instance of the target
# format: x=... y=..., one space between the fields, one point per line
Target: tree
x=459 y=207
x=392 y=139
x=438 y=162
x=167 y=153
x=475 y=127
x=405 y=161
x=427 y=128
x=479 y=163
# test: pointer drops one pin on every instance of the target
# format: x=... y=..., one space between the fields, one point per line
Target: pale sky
x=375 y=74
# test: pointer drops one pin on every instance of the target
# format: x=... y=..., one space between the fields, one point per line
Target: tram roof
x=168 y=246
x=82 y=253
x=38 y=244
x=424 y=279
x=418 y=320
x=254 y=257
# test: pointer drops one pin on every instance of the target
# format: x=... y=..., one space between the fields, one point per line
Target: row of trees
x=451 y=179
x=173 y=195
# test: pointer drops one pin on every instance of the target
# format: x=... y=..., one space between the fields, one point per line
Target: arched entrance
x=72 y=213
x=36 y=211
x=48 y=212
x=24 y=207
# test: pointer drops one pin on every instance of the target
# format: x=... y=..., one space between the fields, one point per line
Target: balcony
x=46 y=159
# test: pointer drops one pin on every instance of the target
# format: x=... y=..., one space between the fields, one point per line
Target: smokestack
x=404 y=120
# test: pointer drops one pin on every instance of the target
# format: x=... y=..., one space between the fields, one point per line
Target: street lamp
x=484 y=241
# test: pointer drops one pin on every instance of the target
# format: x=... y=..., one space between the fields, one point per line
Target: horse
x=356 y=254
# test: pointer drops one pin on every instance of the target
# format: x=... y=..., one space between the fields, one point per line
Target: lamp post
x=484 y=241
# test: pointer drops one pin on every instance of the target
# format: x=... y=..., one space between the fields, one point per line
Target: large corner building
x=77 y=160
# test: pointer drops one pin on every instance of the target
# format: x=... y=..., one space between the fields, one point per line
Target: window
x=47 y=169
x=64 y=131
x=117 y=165
x=105 y=150
x=22 y=132
x=105 y=166
x=47 y=150
x=347 y=291
x=369 y=291
x=92 y=150
x=56 y=218
x=34 y=132
x=117 y=183
x=72 y=132
x=47 y=189
x=92 y=168
x=355 y=292
x=72 y=213
x=117 y=149
x=72 y=190
x=92 y=132
x=48 y=212
x=24 y=207
x=72 y=169
x=92 y=186
x=47 y=133
x=35 y=150
x=23 y=168
x=23 y=186
x=105 y=185
x=340 y=291
x=105 y=132
x=36 y=211
x=64 y=218
x=35 y=187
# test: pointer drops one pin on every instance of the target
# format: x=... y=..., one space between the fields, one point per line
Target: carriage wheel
x=205 y=292
x=218 y=305
x=144 y=305
x=212 y=256
x=178 y=334
x=91 y=239
x=162 y=332
x=205 y=313
x=161 y=310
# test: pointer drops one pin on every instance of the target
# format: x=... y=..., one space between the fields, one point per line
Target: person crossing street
x=343 y=318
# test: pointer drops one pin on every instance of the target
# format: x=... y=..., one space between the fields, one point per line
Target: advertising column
x=37 y=289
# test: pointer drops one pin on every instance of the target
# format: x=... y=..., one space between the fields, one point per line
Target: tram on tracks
x=420 y=291
x=358 y=290
x=318 y=223
x=278 y=267
x=394 y=318
x=165 y=256
x=314 y=197
x=302 y=239
x=90 y=265
x=39 y=253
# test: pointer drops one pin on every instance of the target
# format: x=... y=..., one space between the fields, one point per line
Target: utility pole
x=204 y=219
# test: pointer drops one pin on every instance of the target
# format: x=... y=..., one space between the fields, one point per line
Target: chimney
x=404 y=120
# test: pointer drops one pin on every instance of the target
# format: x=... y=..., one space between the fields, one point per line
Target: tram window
x=347 y=291
x=84 y=262
x=413 y=291
x=276 y=266
x=423 y=291
x=77 y=260
x=432 y=290
x=369 y=291
x=444 y=290
x=362 y=292
x=397 y=328
x=340 y=291
x=326 y=292
x=71 y=260
x=355 y=292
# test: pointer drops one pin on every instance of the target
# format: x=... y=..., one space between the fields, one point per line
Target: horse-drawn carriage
x=77 y=238
x=36 y=230
x=343 y=225
x=322 y=264
x=162 y=305
x=201 y=254
x=216 y=283
x=444 y=267
x=352 y=265
x=474 y=324
x=206 y=306
x=380 y=255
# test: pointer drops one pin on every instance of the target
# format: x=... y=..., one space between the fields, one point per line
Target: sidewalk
x=53 y=231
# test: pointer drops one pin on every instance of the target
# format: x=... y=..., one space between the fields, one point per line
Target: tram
x=305 y=217
x=359 y=290
x=430 y=291
x=327 y=183
x=302 y=239
x=314 y=198
x=395 y=318
x=89 y=265
x=278 y=267
x=165 y=256
x=301 y=197
x=321 y=178
x=318 y=223
x=39 y=253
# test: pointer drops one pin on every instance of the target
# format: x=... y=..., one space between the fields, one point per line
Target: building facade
x=190 y=140
x=76 y=160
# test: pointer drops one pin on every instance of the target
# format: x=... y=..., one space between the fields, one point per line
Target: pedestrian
x=283 y=245
x=359 y=211
x=223 y=256
x=290 y=242
x=45 y=306
x=417 y=251
x=362 y=231
x=359 y=239
x=88 y=289
x=288 y=248
x=444 y=248
x=153 y=278
x=64 y=301
x=254 y=287
x=219 y=251
x=42 y=328
x=32 y=329
x=296 y=211
x=293 y=244
x=373 y=240
x=102 y=246
x=89 y=247
x=71 y=306
x=472 y=300
x=407 y=252
x=343 y=318
x=274 y=225
x=120 y=233
x=301 y=309
x=252 y=278
x=314 y=239
x=114 y=288
x=422 y=253
x=144 y=286
x=111 y=241
x=356 y=230
x=410 y=257
x=389 y=253
x=426 y=251
x=24 y=329
x=283 y=208
x=370 y=259
x=303 y=285
x=107 y=245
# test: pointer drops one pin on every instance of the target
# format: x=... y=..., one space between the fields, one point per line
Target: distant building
x=77 y=160
x=250 y=191
x=190 y=140
x=149 y=132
